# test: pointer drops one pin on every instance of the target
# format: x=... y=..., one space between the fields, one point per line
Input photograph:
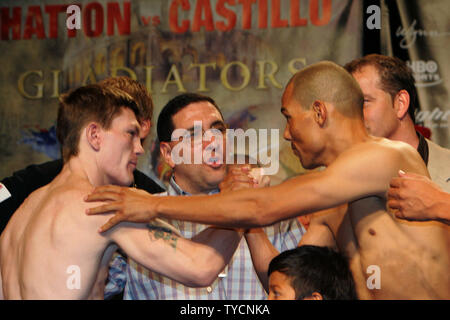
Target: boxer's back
x=49 y=242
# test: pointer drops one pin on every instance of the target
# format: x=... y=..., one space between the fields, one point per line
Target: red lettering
x=146 y=21
x=295 y=15
x=14 y=23
x=247 y=13
x=226 y=13
x=173 y=16
x=277 y=22
x=203 y=6
x=123 y=22
x=34 y=14
x=262 y=21
x=71 y=33
x=87 y=19
x=314 y=12
x=53 y=11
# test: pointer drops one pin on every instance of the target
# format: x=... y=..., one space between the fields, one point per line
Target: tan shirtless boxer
x=50 y=240
x=323 y=107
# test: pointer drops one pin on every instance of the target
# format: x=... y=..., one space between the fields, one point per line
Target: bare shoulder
x=383 y=147
x=70 y=194
x=382 y=156
x=69 y=197
x=406 y=156
x=396 y=147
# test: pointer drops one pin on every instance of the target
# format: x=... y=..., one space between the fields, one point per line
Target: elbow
x=202 y=277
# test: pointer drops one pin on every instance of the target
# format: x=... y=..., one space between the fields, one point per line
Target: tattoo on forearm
x=157 y=232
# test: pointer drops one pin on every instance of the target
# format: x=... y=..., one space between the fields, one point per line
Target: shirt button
x=209 y=289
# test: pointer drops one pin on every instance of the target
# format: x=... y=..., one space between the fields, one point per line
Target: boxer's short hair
x=86 y=104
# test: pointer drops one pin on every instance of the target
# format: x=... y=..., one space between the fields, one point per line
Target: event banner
x=418 y=32
x=239 y=52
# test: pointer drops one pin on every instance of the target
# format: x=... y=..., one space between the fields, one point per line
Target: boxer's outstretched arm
x=354 y=175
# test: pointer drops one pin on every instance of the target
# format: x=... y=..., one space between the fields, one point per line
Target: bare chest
x=392 y=259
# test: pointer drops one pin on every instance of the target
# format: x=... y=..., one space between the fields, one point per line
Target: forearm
x=440 y=210
x=262 y=252
x=214 y=249
x=247 y=208
x=241 y=209
x=194 y=263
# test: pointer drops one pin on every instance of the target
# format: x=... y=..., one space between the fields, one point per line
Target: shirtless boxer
x=323 y=107
x=49 y=235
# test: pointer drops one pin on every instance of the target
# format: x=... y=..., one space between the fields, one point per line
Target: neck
x=86 y=170
x=348 y=133
x=406 y=133
x=190 y=187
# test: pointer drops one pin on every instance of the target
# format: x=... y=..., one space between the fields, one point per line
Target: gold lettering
x=270 y=75
x=129 y=71
x=245 y=73
x=177 y=80
x=291 y=64
x=202 y=69
x=100 y=63
x=55 y=83
x=148 y=77
x=21 y=85
x=90 y=76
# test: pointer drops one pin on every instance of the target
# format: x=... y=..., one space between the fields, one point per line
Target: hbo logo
x=423 y=66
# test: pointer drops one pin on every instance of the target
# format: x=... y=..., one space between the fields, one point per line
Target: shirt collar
x=175 y=190
x=422 y=148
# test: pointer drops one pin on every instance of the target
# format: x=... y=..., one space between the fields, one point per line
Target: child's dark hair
x=316 y=269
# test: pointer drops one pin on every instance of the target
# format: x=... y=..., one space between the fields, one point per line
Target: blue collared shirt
x=238 y=281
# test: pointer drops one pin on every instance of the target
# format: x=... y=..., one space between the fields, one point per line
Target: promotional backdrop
x=240 y=52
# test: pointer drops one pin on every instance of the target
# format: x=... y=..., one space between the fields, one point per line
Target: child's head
x=310 y=272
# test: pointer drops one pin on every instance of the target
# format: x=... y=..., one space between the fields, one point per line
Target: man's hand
x=128 y=204
x=243 y=177
x=237 y=178
x=413 y=197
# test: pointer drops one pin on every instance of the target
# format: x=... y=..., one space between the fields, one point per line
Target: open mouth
x=214 y=162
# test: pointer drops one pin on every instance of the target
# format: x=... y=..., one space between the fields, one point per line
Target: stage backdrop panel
x=418 y=32
x=241 y=53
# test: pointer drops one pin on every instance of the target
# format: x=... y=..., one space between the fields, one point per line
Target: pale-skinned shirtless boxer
x=50 y=237
x=323 y=107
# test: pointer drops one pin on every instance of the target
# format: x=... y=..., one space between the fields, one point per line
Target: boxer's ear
x=320 y=112
x=94 y=135
x=165 y=150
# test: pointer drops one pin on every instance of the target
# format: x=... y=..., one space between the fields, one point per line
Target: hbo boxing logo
x=425 y=72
